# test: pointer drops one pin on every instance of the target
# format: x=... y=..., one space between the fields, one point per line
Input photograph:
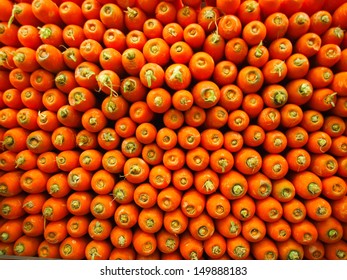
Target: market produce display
x=177 y=129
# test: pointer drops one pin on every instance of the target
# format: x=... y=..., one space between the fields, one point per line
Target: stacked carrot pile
x=148 y=129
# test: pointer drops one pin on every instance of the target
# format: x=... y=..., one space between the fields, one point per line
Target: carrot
x=8 y=34
x=341 y=165
x=279 y=230
x=305 y=232
x=329 y=231
x=338 y=16
x=275 y=141
x=71 y=13
x=6 y=7
x=57 y=185
x=150 y=220
x=337 y=207
x=102 y=206
x=67 y=160
x=182 y=179
x=53 y=99
x=65 y=81
x=11 y=98
x=126 y=215
x=299 y=24
x=167 y=242
x=195 y=116
x=132 y=61
x=144 y=243
x=55 y=232
x=206 y=181
x=334 y=126
x=73 y=35
x=190 y=248
x=254 y=229
x=276 y=25
x=47 y=120
x=7 y=161
x=11 y=230
x=131 y=147
x=26 y=246
x=283 y=190
x=269 y=209
x=338 y=146
x=274 y=166
x=123 y=254
x=140 y=111
x=78 y=202
x=72 y=57
x=215 y=247
x=252 y=104
x=248 y=161
x=90 y=159
x=46 y=11
x=42 y=79
x=121 y=238
x=136 y=170
x=27 y=118
x=265 y=249
x=69 y=117
x=269 y=118
x=314 y=251
x=318 y=209
x=173 y=118
x=72 y=248
x=51 y=34
x=114 y=107
x=99 y=229
x=197 y=159
x=258 y=55
x=294 y=211
x=47 y=250
x=14 y=139
x=9 y=183
x=34 y=181
x=238 y=248
x=25 y=59
x=201 y=227
x=32 y=203
x=175 y=222
x=334 y=187
x=54 y=209
x=64 y=138
x=307 y=184
x=85 y=75
x=336 y=251
x=79 y=179
x=11 y=207
x=169 y=199
x=28 y=36
x=259 y=186
x=77 y=226
x=107 y=138
x=193 y=203
x=323 y=165
x=46 y=162
x=312 y=120
x=86 y=140
x=218 y=206
x=290 y=250
x=19 y=79
x=50 y=58
x=111 y=59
